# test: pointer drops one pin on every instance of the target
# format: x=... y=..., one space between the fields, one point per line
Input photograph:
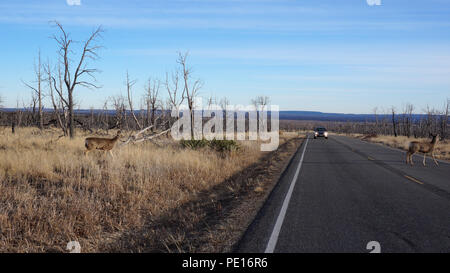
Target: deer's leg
x=86 y=152
x=432 y=155
x=110 y=152
x=424 y=157
x=408 y=157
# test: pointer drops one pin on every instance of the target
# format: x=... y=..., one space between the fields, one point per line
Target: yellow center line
x=370 y=158
x=413 y=179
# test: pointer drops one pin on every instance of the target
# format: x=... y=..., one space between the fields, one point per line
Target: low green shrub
x=194 y=144
x=224 y=145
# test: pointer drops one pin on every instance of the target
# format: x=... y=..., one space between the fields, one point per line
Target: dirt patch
x=215 y=220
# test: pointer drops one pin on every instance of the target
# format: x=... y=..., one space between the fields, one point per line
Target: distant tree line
x=56 y=84
x=404 y=123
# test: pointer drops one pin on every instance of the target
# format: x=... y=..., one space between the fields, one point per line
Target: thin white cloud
x=258 y=16
x=256 y=24
x=389 y=57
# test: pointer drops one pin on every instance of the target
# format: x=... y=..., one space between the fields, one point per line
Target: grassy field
x=52 y=194
x=402 y=142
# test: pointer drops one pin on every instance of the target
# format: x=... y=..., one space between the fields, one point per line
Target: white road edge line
x=277 y=228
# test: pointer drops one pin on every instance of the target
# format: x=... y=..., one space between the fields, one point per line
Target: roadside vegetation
x=154 y=195
x=53 y=194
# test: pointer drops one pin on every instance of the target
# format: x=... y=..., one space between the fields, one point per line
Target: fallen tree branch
x=134 y=137
x=145 y=129
x=152 y=136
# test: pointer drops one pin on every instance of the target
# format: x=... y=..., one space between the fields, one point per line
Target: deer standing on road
x=422 y=147
x=104 y=144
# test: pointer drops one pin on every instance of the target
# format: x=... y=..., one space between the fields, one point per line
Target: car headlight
x=325 y=134
x=316 y=133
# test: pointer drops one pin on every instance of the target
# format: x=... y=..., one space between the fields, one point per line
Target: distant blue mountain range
x=320 y=116
x=284 y=115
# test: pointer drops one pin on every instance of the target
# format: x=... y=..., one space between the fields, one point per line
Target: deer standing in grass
x=422 y=147
x=104 y=144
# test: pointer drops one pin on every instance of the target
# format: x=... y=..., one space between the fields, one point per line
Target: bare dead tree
x=394 y=127
x=151 y=99
x=76 y=73
x=130 y=84
x=386 y=122
x=210 y=102
x=430 y=121
x=375 y=110
x=176 y=94
x=33 y=103
x=105 y=115
x=191 y=87
x=61 y=102
x=224 y=102
x=18 y=117
x=443 y=120
x=56 y=108
x=260 y=103
x=118 y=102
x=142 y=115
x=37 y=95
x=409 y=109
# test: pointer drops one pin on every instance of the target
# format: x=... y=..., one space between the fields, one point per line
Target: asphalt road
x=337 y=195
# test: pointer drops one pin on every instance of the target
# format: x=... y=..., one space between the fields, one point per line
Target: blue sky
x=320 y=55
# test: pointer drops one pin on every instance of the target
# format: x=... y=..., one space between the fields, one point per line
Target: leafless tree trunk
x=376 y=120
x=190 y=88
x=19 y=116
x=151 y=99
x=74 y=78
x=224 y=102
x=444 y=120
x=260 y=103
x=407 y=119
x=37 y=95
x=394 y=122
x=211 y=100
x=130 y=84
x=105 y=116
x=176 y=97
x=56 y=111
x=120 y=110
x=430 y=121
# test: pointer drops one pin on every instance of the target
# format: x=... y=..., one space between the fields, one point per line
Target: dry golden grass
x=52 y=194
x=442 y=150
